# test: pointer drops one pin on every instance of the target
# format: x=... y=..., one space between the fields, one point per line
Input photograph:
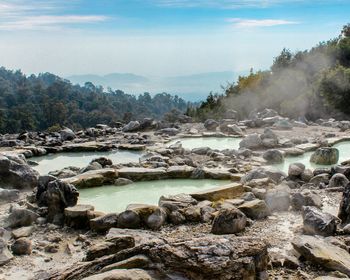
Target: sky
x=160 y=37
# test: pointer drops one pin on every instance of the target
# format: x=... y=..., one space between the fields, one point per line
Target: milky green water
x=115 y=199
x=53 y=162
x=344 y=154
x=215 y=143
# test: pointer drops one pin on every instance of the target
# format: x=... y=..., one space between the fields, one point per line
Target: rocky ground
x=264 y=225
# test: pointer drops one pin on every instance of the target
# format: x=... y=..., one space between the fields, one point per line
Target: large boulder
x=269 y=138
x=344 y=207
x=78 y=216
x=251 y=141
x=176 y=202
x=211 y=124
x=56 y=195
x=20 y=217
x=15 y=173
x=131 y=126
x=320 y=252
x=255 y=209
x=229 y=221
x=104 y=223
x=338 y=180
x=296 y=169
x=325 y=156
x=67 y=134
x=318 y=223
x=273 y=156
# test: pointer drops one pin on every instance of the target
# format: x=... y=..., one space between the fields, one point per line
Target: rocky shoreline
x=265 y=224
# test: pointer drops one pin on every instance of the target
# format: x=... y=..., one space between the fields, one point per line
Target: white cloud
x=239 y=22
x=41 y=15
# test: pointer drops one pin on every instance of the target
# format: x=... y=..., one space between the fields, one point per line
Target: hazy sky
x=160 y=37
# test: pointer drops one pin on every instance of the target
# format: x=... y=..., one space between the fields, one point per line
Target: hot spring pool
x=344 y=154
x=53 y=162
x=215 y=143
x=116 y=198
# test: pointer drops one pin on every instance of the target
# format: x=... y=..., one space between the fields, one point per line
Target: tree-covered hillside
x=40 y=102
x=312 y=84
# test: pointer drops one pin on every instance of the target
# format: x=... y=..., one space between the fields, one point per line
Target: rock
x=325 y=156
x=320 y=252
x=338 y=180
x=20 y=217
x=93 y=178
x=138 y=261
x=67 y=134
x=104 y=223
x=234 y=129
x=22 y=246
x=259 y=173
x=283 y=125
x=110 y=246
x=211 y=124
x=273 y=156
x=142 y=174
x=277 y=200
x=251 y=141
x=16 y=173
x=320 y=179
x=180 y=172
x=255 y=209
x=176 y=202
x=318 y=223
x=5 y=254
x=307 y=175
x=122 y=182
x=269 y=138
x=8 y=195
x=22 y=232
x=129 y=219
x=233 y=190
x=78 y=216
x=131 y=126
x=176 y=218
x=305 y=198
x=344 y=207
x=122 y=274
x=171 y=131
x=156 y=219
x=56 y=195
x=296 y=169
x=229 y=221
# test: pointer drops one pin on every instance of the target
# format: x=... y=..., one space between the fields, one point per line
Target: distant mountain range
x=191 y=87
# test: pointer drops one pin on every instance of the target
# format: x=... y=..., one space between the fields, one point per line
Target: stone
x=67 y=134
x=338 y=180
x=131 y=126
x=211 y=124
x=91 y=166
x=56 y=195
x=180 y=172
x=251 y=141
x=318 y=223
x=305 y=198
x=193 y=214
x=104 y=223
x=277 y=200
x=5 y=254
x=142 y=174
x=283 y=125
x=171 y=131
x=93 y=178
x=320 y=179
x=22 y=246
x=129 y=219
x=110 y=246
x=325 y=156
x=138 y=261
x=78 y=216
x=344 y=207
x=320 y=252
x=176 y=218
x=296 y=169
x=122 y=182
x=307 y=175
x=122 y=274
x=233 y=190
x=273 y=156
x=229 y=221
x=20 y=217
x=176 y=202
x=255 y=209
x=15 y=173
x=22 y=232
x=234 y=129
x=156 y=219
x=8 y=195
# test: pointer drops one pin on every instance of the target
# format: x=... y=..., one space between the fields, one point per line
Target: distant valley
x=190 y=87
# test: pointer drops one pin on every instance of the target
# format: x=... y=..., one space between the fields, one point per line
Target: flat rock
x=142 y=174
x=22 y=232
x=122 y=274
x=93 y=178
x=320 y=252
x=255 y=209
x=233 y=190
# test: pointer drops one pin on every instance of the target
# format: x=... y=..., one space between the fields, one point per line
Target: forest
x=308 y=84
x=37 y=103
